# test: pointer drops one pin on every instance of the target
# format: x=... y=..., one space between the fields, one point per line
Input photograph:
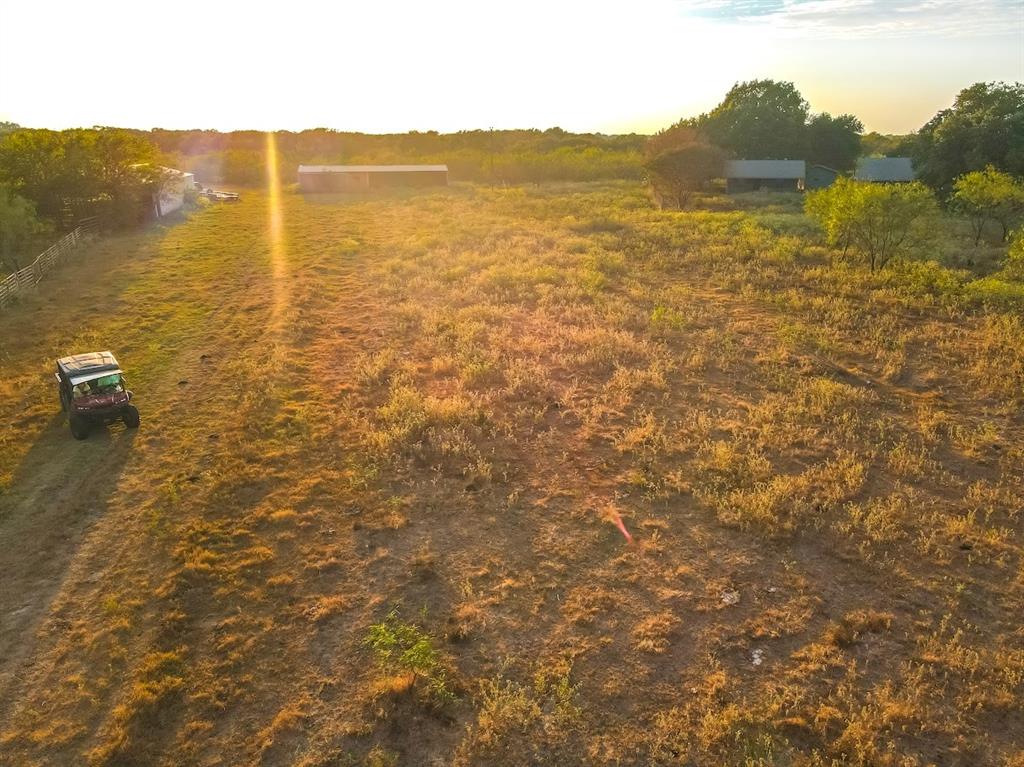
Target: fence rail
x=27 y=278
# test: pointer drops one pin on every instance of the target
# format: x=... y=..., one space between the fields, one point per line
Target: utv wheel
x=79 y=427
x=130 y=416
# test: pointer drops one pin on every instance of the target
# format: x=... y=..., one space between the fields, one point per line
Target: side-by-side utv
x=93 y=391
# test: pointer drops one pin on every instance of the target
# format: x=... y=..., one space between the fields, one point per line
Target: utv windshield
x=110 y=384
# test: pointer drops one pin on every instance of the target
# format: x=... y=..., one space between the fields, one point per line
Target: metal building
x=820 y=176
x=774 y=175
x=363 y=178
x=885 y=170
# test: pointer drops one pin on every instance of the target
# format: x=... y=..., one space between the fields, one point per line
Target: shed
x=362 y=178
x=820 y=176
x=885 y=170
x=774 y=175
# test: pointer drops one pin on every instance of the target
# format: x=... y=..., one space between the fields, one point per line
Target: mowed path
x=190 y=309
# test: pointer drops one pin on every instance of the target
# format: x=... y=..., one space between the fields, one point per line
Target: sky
x=384 y=66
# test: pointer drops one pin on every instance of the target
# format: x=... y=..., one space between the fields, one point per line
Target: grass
x=447 y=401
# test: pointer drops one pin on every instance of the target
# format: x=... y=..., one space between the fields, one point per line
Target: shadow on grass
x=60 y=488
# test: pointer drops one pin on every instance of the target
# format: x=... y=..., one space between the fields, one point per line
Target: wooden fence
x=26 y=279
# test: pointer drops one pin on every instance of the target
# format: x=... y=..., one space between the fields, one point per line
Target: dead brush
x=789 y=501
x=856 y=624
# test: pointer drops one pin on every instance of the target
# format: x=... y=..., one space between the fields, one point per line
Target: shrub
x=879 y=221
x=681 y=172
x=989 y=195
x=403 y=648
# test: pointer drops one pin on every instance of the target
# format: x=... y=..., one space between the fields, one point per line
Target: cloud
x=868 y=18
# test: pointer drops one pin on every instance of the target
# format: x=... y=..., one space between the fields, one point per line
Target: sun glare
x=275 y=234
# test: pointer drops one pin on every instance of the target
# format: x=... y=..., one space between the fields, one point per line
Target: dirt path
x=62 y=518
x=62 y=488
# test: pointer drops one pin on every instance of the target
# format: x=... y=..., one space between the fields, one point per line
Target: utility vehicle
x=93 y=391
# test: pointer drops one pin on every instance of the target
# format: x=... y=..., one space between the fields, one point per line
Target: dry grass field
x=372 y=516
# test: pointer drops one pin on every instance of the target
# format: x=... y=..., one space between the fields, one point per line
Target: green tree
x=989 y=195
x=244 y=167
x=673 y=137
x=37 y=165
x=677 y=173
x=1013 y=267
x=760 y=119
x=124 y=175
x=878 y=221
x=834 y=141
x=105 y=170
x=18 y=223
x=984 y=127
x=877 y=144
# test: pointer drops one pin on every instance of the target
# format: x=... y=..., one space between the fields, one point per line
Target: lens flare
x=275 y=234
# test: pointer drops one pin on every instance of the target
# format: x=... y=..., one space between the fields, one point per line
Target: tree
x=678 y=173
x=38 y=165
x=18 y=223
x=1013 y=267
x=879 y=221
x=762 y=119
x=124 y=175
x=876 y=144
x=834 y=141
x=673 y=137
x=984 y=127
x=989 y=195
x=105 y=170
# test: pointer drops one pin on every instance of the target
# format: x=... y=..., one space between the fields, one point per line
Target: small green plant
x=667 y=318
x=404 y=648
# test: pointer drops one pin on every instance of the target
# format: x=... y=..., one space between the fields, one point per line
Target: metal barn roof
x=884 y=169
x=372 y=168
x=765 y=169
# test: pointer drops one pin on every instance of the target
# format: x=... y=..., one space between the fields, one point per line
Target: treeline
x=50 y=180
x=506 y=156
x=769 y=120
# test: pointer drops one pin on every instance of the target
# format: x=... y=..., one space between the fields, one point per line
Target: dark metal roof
x=884 y=169
x=762 y=169
x=85 y=364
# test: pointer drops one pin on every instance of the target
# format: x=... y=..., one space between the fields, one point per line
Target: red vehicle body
x=93 y=391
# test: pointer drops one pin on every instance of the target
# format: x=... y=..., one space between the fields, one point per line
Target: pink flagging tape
x=622 y=527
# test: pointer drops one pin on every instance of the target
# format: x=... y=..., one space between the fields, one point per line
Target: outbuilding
x=820 y=177
x=363 y=178
x=885 y=170
x=773 y=175
x=171 y=195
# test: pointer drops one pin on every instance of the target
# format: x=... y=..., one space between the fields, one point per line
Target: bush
x=879 y=221
x=403 y=648
x=989 y=195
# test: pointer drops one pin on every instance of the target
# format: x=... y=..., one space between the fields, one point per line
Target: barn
x=885 y=170
x=820 y=177
x=774 y=175
x=363 y=178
